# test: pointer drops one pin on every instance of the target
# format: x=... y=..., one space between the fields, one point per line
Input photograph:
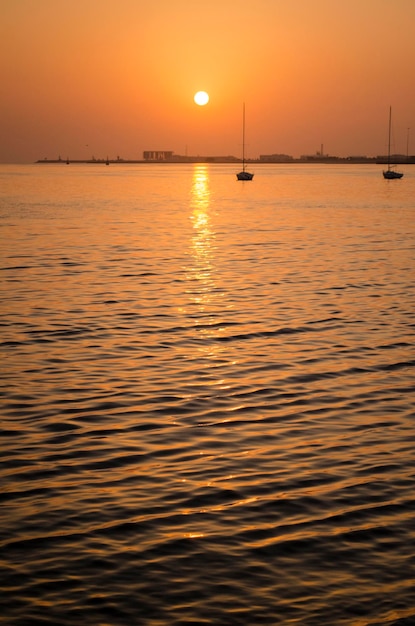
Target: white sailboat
x=390 y=173
x=244 y=175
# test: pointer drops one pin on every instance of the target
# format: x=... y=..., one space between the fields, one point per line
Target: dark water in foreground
x=207 y=396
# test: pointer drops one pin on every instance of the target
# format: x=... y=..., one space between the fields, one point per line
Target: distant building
x=157 y=155
x=275 y=158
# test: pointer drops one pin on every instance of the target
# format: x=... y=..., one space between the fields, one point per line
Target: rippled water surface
x=207 y=396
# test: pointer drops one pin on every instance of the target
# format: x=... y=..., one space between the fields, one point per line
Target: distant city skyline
x=88 y=78
x=163 y=156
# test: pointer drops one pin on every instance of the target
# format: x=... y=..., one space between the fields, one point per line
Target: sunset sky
x=104 y=77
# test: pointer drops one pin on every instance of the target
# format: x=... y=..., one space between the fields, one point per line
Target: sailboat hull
x=244 y=176
x=390 y=174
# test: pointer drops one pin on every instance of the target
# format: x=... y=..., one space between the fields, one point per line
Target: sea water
x=207 y=395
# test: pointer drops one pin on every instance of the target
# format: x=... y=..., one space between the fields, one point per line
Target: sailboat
x=244 y=175
x=390 y=173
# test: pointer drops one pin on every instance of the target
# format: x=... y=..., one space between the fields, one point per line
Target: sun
x=201 y=98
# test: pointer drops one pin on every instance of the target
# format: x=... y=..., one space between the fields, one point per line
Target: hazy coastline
x=355 y=160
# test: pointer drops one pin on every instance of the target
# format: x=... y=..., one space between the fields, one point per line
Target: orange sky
x=104 y=77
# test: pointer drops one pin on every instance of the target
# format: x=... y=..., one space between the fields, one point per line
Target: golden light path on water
x=207 y=295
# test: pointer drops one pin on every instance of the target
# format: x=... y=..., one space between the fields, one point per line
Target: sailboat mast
x=391 y=173
x=389 y=138
x=244 y=175
x=243 y=137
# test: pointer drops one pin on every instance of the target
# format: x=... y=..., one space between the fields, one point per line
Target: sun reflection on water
x=203 y=237
x=206 y=306
x=202 y=245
